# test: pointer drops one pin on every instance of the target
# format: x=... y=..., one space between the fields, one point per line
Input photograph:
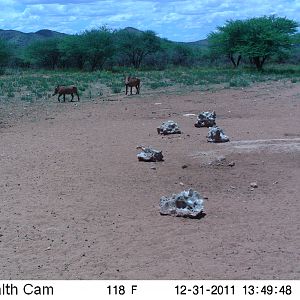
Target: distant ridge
x=22 y=39
x=132 y=30
x=49 y=33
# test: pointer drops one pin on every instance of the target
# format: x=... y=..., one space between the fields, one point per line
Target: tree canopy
x=98 y=46
x=135 y=46
x=44 y=53
x=257 y=39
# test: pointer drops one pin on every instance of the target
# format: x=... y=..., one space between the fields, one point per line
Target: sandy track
x=76 y=203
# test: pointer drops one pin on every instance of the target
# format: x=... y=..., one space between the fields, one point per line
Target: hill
x=198 y=44
x=21 y=39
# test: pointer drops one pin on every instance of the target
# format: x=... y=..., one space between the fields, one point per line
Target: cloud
x=181 y=20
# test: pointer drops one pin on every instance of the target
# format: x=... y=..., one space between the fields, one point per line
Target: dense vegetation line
x=252 y=42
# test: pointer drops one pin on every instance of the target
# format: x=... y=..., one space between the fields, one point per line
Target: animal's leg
x=59 y=97
x=72 y=97
x=78 y=97
x=131 y=90
x=64 y=97
x=126 y=89
x=137 y=89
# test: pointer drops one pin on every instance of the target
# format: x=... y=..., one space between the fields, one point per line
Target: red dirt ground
x=77 y=204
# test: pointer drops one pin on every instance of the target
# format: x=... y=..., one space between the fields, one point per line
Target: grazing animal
x=63 y=90
x=132 y=82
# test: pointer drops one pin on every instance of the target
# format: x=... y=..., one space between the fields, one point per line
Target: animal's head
x=56 y=90
x=127 y=79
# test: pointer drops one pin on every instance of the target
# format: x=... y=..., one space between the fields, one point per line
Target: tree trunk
x=238 y=60
x=257 y=63
x=232 y=60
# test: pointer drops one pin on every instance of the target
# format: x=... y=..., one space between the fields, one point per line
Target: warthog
x=63 y=90
x=132 y=82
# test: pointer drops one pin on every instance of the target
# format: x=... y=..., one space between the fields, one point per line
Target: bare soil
x=77 y=204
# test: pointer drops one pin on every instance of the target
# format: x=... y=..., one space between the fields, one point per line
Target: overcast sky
x=177 y=20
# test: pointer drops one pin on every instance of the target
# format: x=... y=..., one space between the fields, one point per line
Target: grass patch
x=39 y=84
x=116 y=89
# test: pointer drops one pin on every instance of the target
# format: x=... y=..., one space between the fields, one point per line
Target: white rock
x=187 y=203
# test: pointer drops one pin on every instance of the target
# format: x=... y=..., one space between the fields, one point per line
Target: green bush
x=239 y=81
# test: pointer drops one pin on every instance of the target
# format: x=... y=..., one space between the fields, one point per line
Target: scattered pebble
x=221 y=158
x=189 y=115
x=231 y=164
x=253 y=184
x=184 y=166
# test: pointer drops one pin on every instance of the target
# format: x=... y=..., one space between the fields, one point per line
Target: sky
x=176 y=20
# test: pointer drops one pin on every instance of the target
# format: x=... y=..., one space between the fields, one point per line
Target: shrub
x=239 y=81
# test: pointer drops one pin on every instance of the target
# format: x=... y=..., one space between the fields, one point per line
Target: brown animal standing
x=63 y=90
x=132 y=82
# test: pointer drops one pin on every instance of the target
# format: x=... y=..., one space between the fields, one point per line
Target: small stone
x=184 y=166
x=253 y=184
x=153 y=168
x=181 y=183
x=231 y=164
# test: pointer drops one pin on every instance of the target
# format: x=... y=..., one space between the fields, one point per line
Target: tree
x=98 y=46
x=257 y=39
x=182 y=55
x=44 y=53
x=72 y=51
x=5 y=53
x=267 y=37
x=135 y=46
x=226 y=41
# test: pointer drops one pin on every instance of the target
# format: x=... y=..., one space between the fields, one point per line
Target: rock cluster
x=168 y=127
x=187 y=203
x=206 y=119
x=149 y=154
x=216 y=135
